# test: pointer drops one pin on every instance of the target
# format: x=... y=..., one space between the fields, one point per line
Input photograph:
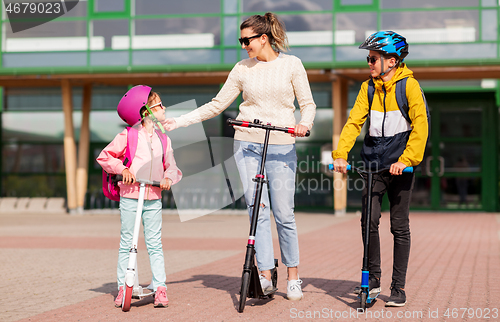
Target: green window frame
x=108 y=14
x=339 y=6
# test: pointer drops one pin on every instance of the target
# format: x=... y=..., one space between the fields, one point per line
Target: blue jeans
x=280 y=169
x=152 y=222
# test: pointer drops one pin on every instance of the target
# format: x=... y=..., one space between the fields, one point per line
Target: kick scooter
x=132 y=287
x=364 y=294
x=250 y=283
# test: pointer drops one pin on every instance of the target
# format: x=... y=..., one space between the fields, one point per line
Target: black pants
x=398 y=190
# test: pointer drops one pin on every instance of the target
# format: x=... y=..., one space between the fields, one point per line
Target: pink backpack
x=110 y=188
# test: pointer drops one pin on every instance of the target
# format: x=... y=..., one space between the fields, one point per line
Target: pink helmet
x=131 y=103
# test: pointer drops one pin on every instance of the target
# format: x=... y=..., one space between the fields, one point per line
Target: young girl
x=152 y=161
x=270 y=81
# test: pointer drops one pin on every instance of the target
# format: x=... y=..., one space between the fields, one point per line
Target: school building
x=61 y=81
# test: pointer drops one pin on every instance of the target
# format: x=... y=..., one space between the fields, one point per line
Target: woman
x=270 y=82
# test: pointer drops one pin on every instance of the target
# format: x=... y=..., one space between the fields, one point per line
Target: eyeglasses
x=246 y=41
x=159 y=104
x=372 y=59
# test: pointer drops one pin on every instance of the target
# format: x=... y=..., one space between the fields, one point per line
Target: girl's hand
x=165 y=184
x=169 y=124
x=128 y=177
x=340 y=165
x=300 y=130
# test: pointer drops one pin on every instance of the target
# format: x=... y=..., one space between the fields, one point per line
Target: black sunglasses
x=371 y=59
x=246 y=40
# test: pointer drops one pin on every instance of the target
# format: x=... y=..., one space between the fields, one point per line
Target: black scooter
x=250 y=283
x=364 y=293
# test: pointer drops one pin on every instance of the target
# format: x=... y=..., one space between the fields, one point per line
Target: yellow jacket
x=389 y=130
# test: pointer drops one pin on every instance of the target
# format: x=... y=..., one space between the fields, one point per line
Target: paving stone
x=66 y=265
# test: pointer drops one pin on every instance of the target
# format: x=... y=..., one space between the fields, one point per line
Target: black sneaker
x=398 y=297
x=373 y=285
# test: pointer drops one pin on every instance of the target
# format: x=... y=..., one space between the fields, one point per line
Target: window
x=279 y=5
x=433 y=26
x=109 y=5
x=351 y=28
x=173 y=7
x=395 y=4
x=189 y=32
x=107 y=30
x=50 y=36
x=309 y=29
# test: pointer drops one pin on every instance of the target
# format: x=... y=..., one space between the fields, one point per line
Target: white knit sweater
x=269 y=90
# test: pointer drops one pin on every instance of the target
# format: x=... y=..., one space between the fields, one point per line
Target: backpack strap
x=163 y=139
x=402 y=99
x=371 y=93
x=132 y=138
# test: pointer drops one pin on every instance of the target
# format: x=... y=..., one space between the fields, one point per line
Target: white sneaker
x=266 y=284
x=294 y=290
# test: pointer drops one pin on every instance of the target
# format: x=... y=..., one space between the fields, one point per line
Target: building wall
x=122 y=36
x=163 y=35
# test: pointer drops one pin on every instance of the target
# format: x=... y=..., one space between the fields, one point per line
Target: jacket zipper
x=385 y=111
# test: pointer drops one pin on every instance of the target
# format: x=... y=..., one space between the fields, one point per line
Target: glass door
x=453 y=174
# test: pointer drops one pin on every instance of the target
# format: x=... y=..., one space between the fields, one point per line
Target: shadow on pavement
x=229 y=284
x=341 y=290
x=108 y=288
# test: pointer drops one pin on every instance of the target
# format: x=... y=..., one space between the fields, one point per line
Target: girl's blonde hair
x=270 y=25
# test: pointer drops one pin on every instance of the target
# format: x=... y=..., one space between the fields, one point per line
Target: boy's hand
x=128 y=177
x=165 y=184
x=340 y=165
x=397 y=168
x=169 y=124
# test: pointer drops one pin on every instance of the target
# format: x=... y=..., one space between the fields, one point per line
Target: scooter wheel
x=362 y=301
x=245 y=284
x=127 y=298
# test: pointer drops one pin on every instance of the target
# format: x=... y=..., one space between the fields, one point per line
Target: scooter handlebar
x=349 y=168
x=119 y=177
x=257 y=124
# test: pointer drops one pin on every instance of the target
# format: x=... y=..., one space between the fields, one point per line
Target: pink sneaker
x=161 y=299
x=119 y=298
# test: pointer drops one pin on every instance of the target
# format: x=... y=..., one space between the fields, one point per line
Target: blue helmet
x=387 y=42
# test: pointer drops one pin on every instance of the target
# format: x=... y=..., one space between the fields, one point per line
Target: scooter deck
x=372 y=297
x=268 y=294
x=139 y=293
x=255 y=290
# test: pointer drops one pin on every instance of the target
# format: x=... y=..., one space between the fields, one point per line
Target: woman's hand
x=165 y=184
x=300 y=130
x=128 y=177
x=169 y=124
x=340 y=165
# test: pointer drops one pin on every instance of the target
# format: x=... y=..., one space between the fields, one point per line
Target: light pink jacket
x=147 y=163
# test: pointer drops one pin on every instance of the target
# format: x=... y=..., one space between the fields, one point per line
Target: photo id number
x=34 y=8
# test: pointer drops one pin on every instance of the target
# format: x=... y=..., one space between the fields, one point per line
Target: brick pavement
x=65 y=267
